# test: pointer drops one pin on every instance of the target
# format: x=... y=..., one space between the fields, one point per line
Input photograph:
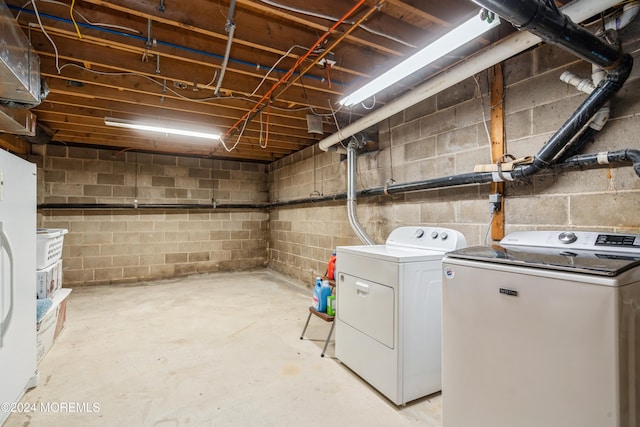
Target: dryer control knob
x=434 y=235
x=444 y=235
x=567 y=238
x=419 y=233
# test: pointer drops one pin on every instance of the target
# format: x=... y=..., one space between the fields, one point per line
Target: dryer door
x=368 y=307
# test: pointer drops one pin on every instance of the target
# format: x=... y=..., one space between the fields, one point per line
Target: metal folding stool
x=326 y=318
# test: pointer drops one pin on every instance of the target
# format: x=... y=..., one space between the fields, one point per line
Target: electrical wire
x=306 y=98
x=336 y=122
x=492 y=210
x=178 y=94
x=484 y=117
x=331 y=18
x=55 y=48
x=213 y=79
x=373 y=104
x=261 y=131
x=162 y=84
x=84 y=18
x=266 y=139
x=275 y=65
x=206 y=99
x=237 y=140
x=159 y=42
x=75 y=24
x=288 y=74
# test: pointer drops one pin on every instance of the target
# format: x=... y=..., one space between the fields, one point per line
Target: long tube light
x=128 y=124
x=454 y=39
x=511 y=45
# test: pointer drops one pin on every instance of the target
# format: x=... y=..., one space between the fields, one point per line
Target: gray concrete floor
x=212 y=350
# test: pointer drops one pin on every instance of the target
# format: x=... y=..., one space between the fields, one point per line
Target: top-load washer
x=543 y=330
x=388 y=317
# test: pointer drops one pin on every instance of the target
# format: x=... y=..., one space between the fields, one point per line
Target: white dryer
x=388 y=310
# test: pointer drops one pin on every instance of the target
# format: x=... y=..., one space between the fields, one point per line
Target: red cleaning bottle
x=331 y=267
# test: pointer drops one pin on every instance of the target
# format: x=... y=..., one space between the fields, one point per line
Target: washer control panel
x=567 y=237
x=579 y=240
x=618 y=240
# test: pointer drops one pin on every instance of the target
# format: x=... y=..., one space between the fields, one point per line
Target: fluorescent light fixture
x=455 y=38
x=128 y=124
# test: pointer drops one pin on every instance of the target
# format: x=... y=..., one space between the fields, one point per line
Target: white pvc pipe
x=578 y=11
x=629 y=12
x=614 y=23
x=583 y=85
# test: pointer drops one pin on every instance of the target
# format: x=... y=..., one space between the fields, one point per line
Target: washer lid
x=602 y=263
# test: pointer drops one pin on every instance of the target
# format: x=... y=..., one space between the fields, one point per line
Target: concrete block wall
x=303 y=238
x=446 y=135
x=106 y=246
x=87 y=175
x=307 y=173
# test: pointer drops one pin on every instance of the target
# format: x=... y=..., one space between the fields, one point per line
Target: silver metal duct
x=20 y=84
x=351 y=195
x=231 y=28
x=17 y=121
x=19 y=63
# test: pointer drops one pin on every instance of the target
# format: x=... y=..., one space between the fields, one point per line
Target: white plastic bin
x=49 y=246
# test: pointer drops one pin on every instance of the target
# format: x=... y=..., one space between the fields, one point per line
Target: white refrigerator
x=18 y=369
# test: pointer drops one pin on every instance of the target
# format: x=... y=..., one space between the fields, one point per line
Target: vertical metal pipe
x=149 y=39
x=231 y=28
x=351 y=195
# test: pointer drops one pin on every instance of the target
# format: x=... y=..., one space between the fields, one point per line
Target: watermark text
x=51 y=407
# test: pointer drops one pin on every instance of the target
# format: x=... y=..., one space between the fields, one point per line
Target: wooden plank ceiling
x=160 y=60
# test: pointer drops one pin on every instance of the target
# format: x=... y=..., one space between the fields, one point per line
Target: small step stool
x=323 y=316
x=326 y=318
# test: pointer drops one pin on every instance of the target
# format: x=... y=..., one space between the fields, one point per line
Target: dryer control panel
x=432 y=238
